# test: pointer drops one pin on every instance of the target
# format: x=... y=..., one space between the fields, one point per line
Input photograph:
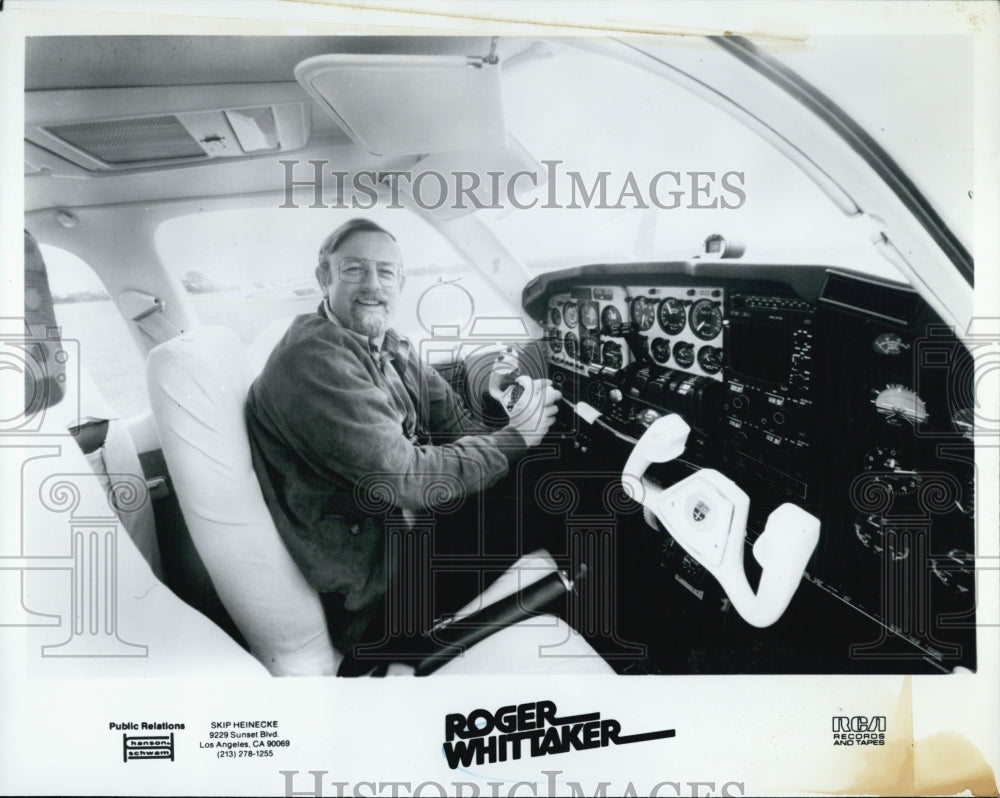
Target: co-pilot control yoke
x=706 y=513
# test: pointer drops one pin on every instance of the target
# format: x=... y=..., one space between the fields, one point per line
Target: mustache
x=373 y=296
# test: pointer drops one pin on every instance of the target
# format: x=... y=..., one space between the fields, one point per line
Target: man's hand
x=534 y=412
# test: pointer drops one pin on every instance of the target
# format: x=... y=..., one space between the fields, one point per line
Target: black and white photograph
x=413 y=401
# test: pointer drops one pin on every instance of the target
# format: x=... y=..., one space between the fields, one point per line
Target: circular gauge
x=642 y=313
x=555 y=317
x=684 y=354
x=611 y=317
x=889 y=344
x=570 y=314
x=597 y=395
x=887 y=469
x=898 y=404
x=588 y=349
x=553 y=339
x=710 y=359
x=964 y=421
x=660 y=350
x=588 y=315
x=706 y=319
x=611 y=355
x=571 y=344
x=671 y=316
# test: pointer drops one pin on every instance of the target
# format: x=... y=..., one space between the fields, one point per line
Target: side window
x=108 y=354
x=245 y=268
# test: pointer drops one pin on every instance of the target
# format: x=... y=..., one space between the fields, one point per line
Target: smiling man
x=356 y=251
x=344 y=419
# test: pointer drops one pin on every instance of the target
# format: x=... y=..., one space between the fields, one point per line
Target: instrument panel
x=843 y=394
x=607 y=328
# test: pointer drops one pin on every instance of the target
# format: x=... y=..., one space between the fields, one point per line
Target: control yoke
x=506 y=382
x=706 y=513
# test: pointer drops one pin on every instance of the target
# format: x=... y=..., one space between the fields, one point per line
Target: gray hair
x=338 y=237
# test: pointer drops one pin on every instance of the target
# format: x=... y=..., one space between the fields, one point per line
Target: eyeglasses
x=353 y=270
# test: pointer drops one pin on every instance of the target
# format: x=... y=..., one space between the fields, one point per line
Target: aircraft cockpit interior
x=749 y=282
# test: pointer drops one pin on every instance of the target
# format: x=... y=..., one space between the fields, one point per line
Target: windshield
x=630 y=167
x=904 y=110
x=642 y=169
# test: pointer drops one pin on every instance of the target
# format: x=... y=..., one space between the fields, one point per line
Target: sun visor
x=409 y=104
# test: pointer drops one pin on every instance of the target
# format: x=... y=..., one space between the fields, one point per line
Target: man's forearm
x=423 y=477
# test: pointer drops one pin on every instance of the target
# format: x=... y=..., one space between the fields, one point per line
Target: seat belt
x=146 y=311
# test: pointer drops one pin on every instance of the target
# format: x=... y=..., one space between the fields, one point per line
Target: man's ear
x=323 y=278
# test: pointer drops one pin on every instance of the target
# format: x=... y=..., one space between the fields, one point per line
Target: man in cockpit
x=344 y=415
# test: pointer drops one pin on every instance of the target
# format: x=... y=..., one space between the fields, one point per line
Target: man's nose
x=371 y=277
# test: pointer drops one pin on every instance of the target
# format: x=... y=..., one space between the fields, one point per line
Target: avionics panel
x=606 y=328
x=769 y=384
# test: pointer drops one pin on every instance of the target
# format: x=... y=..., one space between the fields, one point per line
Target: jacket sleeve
x=324 y=400
x=447 y=416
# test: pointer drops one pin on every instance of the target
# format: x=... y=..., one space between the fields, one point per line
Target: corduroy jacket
x=334 y=462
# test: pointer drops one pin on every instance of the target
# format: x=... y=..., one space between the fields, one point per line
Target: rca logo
x=859 y=723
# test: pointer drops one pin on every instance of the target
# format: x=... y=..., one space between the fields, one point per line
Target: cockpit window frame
x=860 y=141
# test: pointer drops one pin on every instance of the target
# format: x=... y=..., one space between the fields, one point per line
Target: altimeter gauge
x=672 y=316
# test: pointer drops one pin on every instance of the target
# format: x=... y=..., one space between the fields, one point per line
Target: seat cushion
x=92 y=605
x=198 y=384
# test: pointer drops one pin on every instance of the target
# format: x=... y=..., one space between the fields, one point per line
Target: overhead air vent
x=128 y=141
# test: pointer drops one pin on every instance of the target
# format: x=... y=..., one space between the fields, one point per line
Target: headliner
x=84 y=62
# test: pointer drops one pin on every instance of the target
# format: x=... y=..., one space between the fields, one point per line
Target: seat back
x=94 y=423
x=198 y=382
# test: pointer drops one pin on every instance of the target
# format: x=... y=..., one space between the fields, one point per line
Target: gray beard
x=371 y=324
